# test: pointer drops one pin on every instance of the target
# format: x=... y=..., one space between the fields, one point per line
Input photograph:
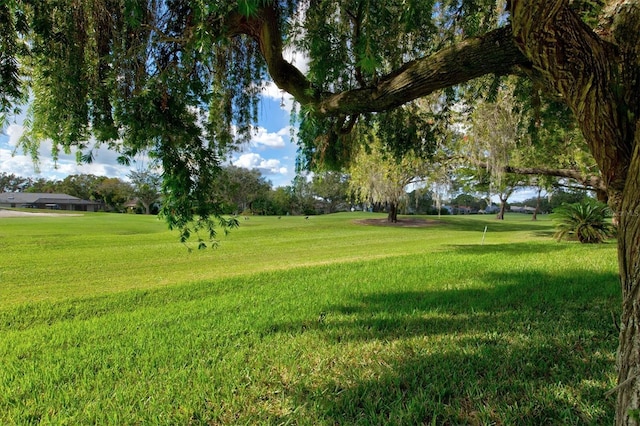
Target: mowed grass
x=107 y=319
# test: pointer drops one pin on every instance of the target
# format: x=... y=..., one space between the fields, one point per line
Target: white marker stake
x=483 y=234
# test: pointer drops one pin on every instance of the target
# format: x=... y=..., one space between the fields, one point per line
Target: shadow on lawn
x=510 y=249
x=477 y=223
x=534 y=349
x=528 y=248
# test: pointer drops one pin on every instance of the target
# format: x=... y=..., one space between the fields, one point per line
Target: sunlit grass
x=305 y=322
x=98 y=253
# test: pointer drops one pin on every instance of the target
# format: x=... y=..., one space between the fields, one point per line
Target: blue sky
x=271 y=150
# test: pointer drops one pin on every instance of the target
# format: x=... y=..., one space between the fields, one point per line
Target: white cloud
x=261 y=137
x=255 y=161
x=105 y=161
x=270 y=90
x=19 y=164
x=14 y=131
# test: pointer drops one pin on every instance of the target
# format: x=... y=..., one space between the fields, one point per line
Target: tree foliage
x=585 y=221
x=377 y=176
x=10 y=182
x=332 y=188
x=182 y=78
x=115 y=193
x=239 y=188
x=146 y=187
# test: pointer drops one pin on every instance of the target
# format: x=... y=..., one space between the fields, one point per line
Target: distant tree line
x=239 y=190
x=247 y=192
x=141 y=192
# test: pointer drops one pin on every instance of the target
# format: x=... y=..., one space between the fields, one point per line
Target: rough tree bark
x=598 y=76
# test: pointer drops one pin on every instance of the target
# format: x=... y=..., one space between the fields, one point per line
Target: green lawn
x=108 y=319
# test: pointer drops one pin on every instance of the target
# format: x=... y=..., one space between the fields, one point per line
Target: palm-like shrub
x=586 y=221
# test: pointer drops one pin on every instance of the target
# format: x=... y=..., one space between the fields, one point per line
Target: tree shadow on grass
x=476 y=223
x=545 y=233
x=510 y=249
x=536 y=348
x=528 y=248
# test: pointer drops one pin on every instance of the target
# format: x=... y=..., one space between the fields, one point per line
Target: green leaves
x=249 y=7
x=152 y=77
x=368 y=64
x=585 y=221
x=13 y=26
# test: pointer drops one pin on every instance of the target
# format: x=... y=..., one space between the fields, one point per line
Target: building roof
x=40 y=198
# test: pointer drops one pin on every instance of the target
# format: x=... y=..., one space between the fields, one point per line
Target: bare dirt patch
x=16 y=213
x=401 y=223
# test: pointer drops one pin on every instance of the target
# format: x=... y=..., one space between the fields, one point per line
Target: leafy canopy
x=585 y=221
x=181 y=79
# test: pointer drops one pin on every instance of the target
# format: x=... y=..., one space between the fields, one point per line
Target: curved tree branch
x=492 y=53
x=582 y=68
x=592 y=181
x=264 y=28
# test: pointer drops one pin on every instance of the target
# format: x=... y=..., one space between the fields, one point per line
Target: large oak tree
x=174 y=75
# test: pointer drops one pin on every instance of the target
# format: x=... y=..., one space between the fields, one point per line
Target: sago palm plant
x=586 y=221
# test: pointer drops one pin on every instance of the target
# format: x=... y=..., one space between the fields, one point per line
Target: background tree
x=505 y=189
x=114 y=193
x=302 y=196
x=496 y=140
x=13 y=183
x=43 y=185
x=420 y=201
x=377 y=176
x=146 y=186
x=241 y=187
x=332 y=188
x=83 y=186
x=561 y=196
x=282 y=200
x=542 y=204
x=470 y=201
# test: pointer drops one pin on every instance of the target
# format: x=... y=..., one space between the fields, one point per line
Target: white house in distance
x=39 y=200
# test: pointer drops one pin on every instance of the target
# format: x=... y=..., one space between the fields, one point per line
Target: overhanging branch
x=492 y=53
x=590 y=181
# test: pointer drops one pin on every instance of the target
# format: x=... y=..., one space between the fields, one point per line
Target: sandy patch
x=15 y=213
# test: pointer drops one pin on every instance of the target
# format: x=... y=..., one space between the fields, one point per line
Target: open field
x=108 y=319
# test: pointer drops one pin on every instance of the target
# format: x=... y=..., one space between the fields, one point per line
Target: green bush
x=586 y=221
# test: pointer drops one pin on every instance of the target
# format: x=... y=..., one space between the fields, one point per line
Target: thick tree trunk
x=503 y=207
x=535 y=212
x=393 y=213
x=628 y=360
x=500 y=215
x=598 y=78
